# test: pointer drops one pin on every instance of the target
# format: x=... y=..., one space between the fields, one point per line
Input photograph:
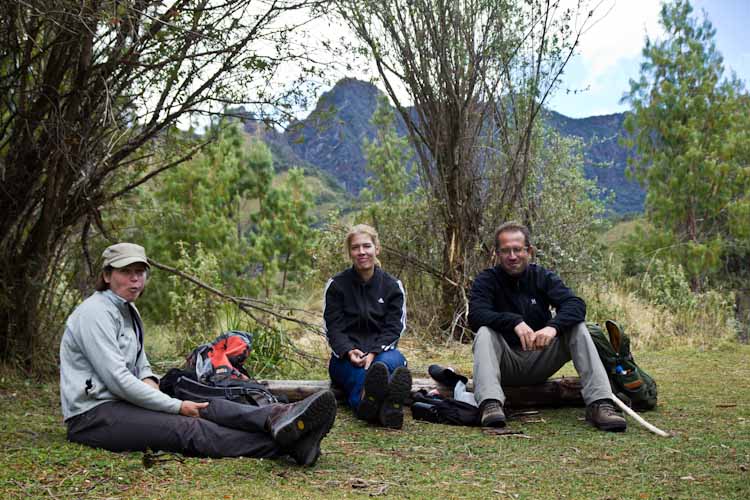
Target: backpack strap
x=253 y=393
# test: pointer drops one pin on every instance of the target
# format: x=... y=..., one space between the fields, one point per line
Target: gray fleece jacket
x=100 y=361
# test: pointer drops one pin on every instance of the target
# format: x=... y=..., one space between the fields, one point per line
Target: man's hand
x=526 y=334
x=357 y=358
x=191 y=408
x=544 y=337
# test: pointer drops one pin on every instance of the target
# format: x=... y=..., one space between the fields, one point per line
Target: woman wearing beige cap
x=111 y=399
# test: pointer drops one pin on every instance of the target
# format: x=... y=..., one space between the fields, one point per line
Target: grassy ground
x=704 y=401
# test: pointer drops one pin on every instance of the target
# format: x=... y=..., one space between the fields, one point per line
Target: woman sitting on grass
x=364 y=314
x=111 y=398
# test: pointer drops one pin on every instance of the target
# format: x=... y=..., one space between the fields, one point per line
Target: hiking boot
x=307 y=450
x=602 y=414
x=399 y=388
x=375 y=390
x=289 y=423
x=492 y=413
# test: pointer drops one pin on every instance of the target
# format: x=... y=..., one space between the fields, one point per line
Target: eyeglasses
x=505 y=252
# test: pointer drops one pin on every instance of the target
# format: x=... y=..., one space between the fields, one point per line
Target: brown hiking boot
x=492 y=413
x=603 y=415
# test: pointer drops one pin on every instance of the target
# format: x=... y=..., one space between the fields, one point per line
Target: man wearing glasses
x=518 y=340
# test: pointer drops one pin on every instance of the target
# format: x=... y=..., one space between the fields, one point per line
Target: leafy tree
x=477 y=74
x=192 y=212
x=90 y=91
x=563 y=208
x=690 y=126
x=282 y=236
x=387 y=156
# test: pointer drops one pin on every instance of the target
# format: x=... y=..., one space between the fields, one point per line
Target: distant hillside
x=330 y=138
x=605 y=159
x=328 y=193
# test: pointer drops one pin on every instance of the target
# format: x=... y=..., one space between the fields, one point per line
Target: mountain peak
x=332 y=135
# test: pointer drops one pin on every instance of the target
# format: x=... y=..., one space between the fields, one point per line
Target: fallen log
x=565 y=391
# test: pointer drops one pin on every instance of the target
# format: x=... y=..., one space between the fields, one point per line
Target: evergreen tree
x=689 y=126
x=197 y=206
x=387 y=156
x=282 y=236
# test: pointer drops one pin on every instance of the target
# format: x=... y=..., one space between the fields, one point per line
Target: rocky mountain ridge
x=331 y=138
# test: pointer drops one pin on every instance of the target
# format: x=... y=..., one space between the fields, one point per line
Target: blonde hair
x=361 y=229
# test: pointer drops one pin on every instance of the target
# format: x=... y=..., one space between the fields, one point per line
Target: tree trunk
x=19 y=308
x=453 y=268
x=286 y=270
x=742 y=314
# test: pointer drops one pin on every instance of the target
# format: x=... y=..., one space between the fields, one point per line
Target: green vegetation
x=558 y=456
x=689 y=126
x=93 y=93
x=220 y=212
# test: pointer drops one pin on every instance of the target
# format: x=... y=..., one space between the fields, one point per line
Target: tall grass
x=704 y=323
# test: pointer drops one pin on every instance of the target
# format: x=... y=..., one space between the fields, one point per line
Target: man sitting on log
x=519 y=342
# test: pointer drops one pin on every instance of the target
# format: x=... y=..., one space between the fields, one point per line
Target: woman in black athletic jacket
x=364 y=312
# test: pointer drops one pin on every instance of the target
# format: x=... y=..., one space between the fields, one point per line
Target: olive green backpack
x=628 y=380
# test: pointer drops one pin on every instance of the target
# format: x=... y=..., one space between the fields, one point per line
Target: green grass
x=704 y=401
x=621 y=230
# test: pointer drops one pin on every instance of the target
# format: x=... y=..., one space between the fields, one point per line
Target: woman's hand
x=357 y=358
x=368 y=360
x=191 y=408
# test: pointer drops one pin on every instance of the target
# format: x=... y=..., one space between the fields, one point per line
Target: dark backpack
x=444 y=411
x=628 y=380
x=215 y=370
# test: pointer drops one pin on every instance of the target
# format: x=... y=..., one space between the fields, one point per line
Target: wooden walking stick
x=638 y=418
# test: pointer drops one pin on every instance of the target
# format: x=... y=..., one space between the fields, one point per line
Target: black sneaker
x=399 y=389
x=446 y=376
x=375 y=390
x=291 y=422
x=307 y=450
x=492 y=413
x=603 y=416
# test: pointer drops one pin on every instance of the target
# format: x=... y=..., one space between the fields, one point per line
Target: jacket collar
x=358 y=279
x=507 y=278
x=117 y=300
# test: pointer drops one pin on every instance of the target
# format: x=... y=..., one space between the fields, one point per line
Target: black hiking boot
x=492 y=413
x=312 y=417
x=399 y=389
x=603 y=416
x=375 y=390
x=307 y=450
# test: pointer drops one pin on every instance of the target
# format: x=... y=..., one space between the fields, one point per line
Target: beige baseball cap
x=123 y=254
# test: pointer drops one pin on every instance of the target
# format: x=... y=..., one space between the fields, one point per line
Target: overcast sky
x=610 y=52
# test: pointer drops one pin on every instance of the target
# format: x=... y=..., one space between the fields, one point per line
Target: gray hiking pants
x=225 y=429
x=495 y=362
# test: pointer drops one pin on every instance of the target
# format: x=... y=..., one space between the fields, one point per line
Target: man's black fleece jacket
x=369 y=316
x=501 y=301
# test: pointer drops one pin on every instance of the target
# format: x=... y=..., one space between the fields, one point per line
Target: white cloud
x=617 y=33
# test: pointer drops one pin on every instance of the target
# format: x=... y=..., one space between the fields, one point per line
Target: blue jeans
x=351 y=378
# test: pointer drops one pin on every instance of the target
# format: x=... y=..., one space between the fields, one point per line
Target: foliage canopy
x=91 y=92
x=691 y=128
